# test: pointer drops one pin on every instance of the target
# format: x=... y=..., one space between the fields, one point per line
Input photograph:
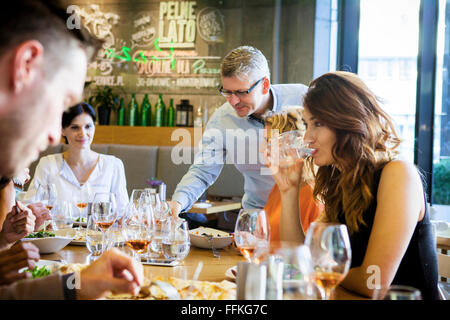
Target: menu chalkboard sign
x=163 y=46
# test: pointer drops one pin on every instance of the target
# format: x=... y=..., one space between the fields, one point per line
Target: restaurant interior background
x=400 y=48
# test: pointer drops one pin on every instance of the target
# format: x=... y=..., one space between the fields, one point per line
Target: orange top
x=309 y=210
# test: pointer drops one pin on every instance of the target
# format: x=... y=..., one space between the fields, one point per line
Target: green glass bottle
x=121 y=114
x=146 y=112
x=170 y=116
x=132 y=112
x=160 y=110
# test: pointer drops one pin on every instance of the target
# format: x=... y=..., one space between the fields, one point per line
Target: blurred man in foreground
x=43 y=66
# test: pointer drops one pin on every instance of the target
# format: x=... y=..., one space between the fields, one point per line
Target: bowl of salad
x=48 y=241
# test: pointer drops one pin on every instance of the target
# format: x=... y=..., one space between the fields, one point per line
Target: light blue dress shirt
x=229 y=138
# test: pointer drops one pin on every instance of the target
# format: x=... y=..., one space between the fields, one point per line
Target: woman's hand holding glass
x=287 y=174
x=329 y=244
x=252 y=235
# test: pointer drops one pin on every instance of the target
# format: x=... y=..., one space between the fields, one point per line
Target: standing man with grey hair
x=236 y=128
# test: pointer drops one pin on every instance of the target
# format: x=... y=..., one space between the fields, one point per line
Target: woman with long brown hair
x=380 y=199
x=281 y=122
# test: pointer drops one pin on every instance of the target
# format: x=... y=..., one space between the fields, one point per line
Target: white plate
x=229 y=273
x=220 y=239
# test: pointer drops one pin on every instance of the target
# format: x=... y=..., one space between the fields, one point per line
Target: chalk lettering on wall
x=112 y=81
x=211 y=25
x=145 y=32
x=177 y=24
x=100 y=24
x=171 y=82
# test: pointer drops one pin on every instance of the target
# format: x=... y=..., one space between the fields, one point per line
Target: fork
x=214 y=250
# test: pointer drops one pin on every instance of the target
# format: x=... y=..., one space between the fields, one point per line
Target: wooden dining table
x=213 y=269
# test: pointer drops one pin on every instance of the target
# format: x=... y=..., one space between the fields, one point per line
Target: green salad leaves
x=40 y=234
x=39 y=272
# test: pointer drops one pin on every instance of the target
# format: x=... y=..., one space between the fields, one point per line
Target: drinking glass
x=252 y=235
x=298 y=271
x=329 y=244
x=160 y=216
x=94 y=238
x=82 y=199
x=136 y=195
x=47 y=194
x=62 y=214
x=175 y=240
x=160 y=208
x=287 y=147
x=137 y=229
x=104 y=211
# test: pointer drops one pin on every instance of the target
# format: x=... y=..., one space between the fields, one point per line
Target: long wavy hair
x=366 y=140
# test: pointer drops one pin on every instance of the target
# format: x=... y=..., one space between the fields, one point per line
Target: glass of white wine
x=104 y=211
x=137 y=230
x=82 y=200
x=252 y=234
x=331 y=254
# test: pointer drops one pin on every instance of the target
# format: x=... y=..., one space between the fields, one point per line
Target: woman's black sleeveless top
x=418 y=268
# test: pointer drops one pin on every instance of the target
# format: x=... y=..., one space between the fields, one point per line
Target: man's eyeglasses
x=239 y=94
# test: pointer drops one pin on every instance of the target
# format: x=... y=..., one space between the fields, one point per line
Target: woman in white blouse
x=79 y=169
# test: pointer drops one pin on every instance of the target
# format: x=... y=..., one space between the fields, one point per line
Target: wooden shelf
x=151 y=136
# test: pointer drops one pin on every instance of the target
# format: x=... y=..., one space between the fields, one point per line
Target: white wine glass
x=82 y=199
x=252 y=234
x=331 y=253
x=137 y=229
x=47 y=194
x=104 y=211
x=136 y=195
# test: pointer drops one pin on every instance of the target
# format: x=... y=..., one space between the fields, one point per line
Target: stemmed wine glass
x=252 y=234
x=136 y=195
x=331 y=253
x=82 y=200
x=48 y=195
x=138 y=226
x=104 y=212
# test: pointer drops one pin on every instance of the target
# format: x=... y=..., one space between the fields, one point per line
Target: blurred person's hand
x=22 y=177
x=21 y=255
x=41 y=214
x=18 y=223
x=175 y=207
x=114 y=272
